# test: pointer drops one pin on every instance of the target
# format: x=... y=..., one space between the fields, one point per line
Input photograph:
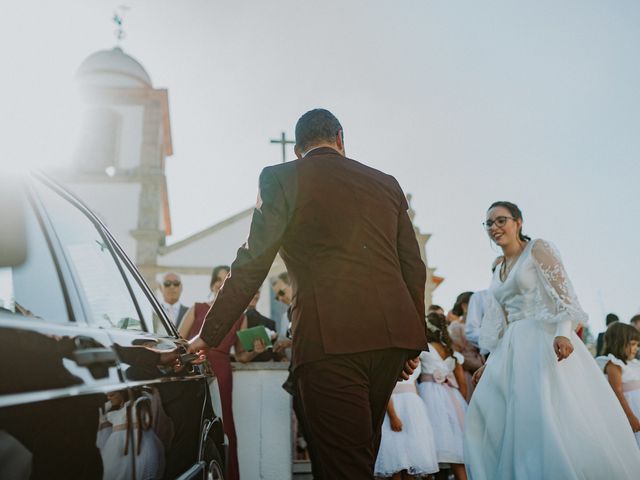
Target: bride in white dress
x=542 y=408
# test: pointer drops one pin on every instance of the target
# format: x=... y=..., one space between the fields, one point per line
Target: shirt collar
x=168 y=306
x=319 y=151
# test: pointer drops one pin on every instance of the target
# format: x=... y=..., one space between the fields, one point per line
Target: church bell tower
x=118 y=167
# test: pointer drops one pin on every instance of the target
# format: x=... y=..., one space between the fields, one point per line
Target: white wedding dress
x=532 y=417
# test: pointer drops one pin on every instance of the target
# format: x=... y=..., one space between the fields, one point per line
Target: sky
x=463 y=102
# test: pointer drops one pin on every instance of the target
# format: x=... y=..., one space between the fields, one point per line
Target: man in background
x=281 y=287
x=611 y=318
x=171 y=289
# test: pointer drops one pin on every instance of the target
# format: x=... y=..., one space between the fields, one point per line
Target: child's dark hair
x=617 y=338
x=437 y=331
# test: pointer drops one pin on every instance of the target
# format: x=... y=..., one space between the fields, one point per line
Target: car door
x=54 y=370
x=169 y=410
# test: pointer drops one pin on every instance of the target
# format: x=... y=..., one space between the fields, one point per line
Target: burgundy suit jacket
x=343 y=231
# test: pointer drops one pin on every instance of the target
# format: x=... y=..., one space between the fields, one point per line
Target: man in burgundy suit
x=358 y=281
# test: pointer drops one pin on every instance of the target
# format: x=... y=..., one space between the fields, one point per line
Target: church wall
x=99 y=143
x=195 y=261
x=106 y=200
x=218 y=248
x=195 y=288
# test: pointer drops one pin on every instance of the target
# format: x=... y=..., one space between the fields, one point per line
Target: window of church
x=99 y=143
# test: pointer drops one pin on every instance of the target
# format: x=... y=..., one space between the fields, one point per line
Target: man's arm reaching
x=251 y=265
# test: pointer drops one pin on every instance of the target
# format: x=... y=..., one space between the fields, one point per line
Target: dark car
x=94 y=379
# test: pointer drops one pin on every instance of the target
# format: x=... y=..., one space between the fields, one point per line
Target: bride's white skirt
x=532 y=417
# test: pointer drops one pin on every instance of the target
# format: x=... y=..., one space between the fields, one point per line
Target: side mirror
x=13 y=235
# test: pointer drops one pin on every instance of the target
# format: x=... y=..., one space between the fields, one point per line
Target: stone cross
x=284 y=142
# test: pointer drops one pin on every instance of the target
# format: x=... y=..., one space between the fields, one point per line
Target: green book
x=248 y=336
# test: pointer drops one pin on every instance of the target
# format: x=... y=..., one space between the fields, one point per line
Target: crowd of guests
x=189 y=320
x=422 y=434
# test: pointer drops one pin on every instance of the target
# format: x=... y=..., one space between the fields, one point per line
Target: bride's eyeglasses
x=498 y=222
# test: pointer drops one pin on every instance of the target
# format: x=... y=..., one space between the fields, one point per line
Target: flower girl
x=131 y=435
x=623 y=370
x=443 y=389
x=407 y=447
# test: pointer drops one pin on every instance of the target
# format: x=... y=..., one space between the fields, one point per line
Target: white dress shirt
x=172 y=310
x=475 y=312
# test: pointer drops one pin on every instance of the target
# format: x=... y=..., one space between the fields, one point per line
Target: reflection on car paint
x=131 y=426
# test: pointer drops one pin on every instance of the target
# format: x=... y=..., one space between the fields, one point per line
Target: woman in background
x=220 y=361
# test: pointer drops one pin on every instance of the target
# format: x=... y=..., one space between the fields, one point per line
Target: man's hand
x=563 y=347
x=478 y=373
x=409 y=366
x=280 y=346
x=635 y=423
x=197 y=345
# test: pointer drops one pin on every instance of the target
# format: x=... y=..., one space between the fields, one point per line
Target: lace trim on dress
x=557 y=297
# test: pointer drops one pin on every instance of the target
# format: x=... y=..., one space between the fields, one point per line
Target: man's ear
x=340 y=141
x=296 y=150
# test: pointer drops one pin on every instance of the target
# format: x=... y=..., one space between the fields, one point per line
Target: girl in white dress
x=407 y=448
x=623 y=370
x=443 y=388
x=542 y=408
x=131 y=435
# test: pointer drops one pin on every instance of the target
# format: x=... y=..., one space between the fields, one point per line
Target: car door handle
x=88 y=357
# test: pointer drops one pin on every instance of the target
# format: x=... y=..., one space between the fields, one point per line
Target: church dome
x=113 y=68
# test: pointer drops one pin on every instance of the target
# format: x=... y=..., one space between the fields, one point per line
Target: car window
x=33 y=288
x=93 y=265
x=151 y=317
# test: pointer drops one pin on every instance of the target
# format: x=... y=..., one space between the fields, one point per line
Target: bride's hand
x=478 y=373
x=563 y=347
x=635 y=424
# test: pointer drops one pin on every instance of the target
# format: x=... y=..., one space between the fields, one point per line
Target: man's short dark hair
x=635 y=319
x=315 y=127
x=612 y=317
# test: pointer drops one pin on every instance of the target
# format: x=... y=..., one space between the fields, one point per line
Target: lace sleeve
x=558 y=297
x=493 y=324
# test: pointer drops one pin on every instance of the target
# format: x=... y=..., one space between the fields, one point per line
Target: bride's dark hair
x=515 y=212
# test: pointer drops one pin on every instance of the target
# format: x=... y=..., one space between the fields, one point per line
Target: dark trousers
x=344 y=398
